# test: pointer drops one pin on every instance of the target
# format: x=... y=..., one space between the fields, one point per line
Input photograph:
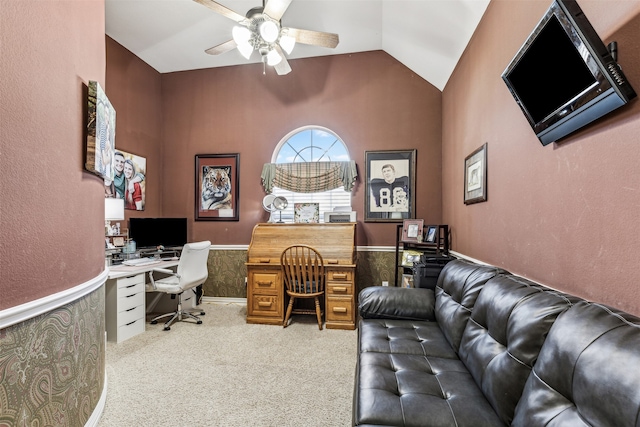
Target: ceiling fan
x=260 y=29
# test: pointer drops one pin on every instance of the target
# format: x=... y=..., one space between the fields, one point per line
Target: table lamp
x=113 y=211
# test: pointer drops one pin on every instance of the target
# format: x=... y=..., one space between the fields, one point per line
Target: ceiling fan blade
x=276 y=8
x=315 y=38
x=222 y=10
x=222 y=48
x=283 y=66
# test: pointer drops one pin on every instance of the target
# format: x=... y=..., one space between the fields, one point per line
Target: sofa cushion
x=458 y=287
x=509 y=323
x=403 y=337
x=411 y=391
x=587 y=372
x=378 y=302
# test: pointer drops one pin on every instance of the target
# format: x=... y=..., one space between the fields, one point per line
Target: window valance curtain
x=309 y=177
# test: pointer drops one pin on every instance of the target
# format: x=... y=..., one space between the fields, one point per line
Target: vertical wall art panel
x=101 y=132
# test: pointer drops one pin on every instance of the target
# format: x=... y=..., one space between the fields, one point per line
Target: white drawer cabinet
x=125 y=312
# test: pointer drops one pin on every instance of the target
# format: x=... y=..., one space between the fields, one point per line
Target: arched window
x=311 y=144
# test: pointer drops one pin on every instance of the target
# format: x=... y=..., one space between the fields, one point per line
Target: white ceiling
x=428 y=36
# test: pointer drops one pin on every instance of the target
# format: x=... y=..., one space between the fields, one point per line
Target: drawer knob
x=260 y=283
x=264 y=260
x=340 y=276
x=332 y=261
x=339 y=289
x=339 y=309
x=264 y=303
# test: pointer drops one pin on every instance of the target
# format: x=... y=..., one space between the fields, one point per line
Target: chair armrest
x=379 y=302
x=160 y=270
x=164 y=270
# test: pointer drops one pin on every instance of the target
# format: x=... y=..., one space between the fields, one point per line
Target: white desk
x=125 y=299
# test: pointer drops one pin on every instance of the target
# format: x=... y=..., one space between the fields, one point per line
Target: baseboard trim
x=31 y=309
x=99 y=409
x=224 y=300
x=468 y=258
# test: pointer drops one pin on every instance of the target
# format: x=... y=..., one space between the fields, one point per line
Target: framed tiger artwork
x=217 y=187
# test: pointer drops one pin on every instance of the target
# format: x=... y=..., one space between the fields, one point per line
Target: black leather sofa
x=487 y=348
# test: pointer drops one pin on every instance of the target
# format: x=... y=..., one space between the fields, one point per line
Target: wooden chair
x=303 y=277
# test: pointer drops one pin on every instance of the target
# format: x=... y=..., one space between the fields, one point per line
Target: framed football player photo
x=390 y=182
x=217 y=187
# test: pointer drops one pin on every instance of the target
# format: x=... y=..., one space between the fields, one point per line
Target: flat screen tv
x=564 y=77
x=153 y=232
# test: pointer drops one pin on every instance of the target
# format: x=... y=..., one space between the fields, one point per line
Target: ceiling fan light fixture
x=273 y=58
x=245 y=49
x=287 y=43
x=269 y=31
x=241 y=34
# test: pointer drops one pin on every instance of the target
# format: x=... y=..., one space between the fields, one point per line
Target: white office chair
x=192 y=272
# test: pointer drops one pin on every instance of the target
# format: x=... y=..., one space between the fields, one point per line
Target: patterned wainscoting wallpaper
x=52 y=366
x=227 y=271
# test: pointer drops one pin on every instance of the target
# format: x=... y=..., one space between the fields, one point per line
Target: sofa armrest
x=379 y=302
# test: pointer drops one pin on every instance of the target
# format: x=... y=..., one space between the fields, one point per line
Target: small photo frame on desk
x=118 y=242
x=407 y=281
x=410 y=257
x=412 y=230
x=432 y=231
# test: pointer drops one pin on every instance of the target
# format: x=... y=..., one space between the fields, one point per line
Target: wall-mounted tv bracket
x=613 y=50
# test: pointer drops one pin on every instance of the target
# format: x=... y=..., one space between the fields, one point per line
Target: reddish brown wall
x=369 y=99
x=564 y=215
x=52 y=229
x=135 y=91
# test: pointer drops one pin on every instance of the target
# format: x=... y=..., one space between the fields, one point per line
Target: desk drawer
x=339 y=289
x=339 y=275
x=130 y=329
x=265 y=282
x=130 y=301
x=339 y=309
x=125 y=282
x=265 y=305
x=128 y=316
x=130 y=289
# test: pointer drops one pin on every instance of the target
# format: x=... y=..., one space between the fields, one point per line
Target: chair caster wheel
x=167 y=328
x=154 y=322
x=199 y=322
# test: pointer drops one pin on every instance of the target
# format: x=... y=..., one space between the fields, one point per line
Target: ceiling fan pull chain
x=264 y=68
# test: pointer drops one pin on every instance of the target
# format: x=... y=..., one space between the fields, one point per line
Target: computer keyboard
x=141 y=261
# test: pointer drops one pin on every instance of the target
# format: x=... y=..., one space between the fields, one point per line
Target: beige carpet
x=226 y=372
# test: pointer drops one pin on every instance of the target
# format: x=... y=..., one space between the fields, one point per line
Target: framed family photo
x=390 y=185
x=475 y=176
x=129 y=180
x=217 y=187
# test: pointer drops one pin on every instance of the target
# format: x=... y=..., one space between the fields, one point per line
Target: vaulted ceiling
x=428 y=36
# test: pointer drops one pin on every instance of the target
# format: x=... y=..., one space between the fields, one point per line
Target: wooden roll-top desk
x=265 y=290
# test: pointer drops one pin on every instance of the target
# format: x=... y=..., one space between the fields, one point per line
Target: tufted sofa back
x=587 y=373
x=501 y=341
x=456 y=292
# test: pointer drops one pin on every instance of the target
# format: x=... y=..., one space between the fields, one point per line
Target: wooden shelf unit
x=439 y=247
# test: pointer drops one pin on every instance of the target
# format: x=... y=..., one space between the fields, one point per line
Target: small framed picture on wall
x=475 y=176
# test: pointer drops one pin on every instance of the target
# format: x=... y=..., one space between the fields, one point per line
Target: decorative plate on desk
x=306 y=213
x=118 y=241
